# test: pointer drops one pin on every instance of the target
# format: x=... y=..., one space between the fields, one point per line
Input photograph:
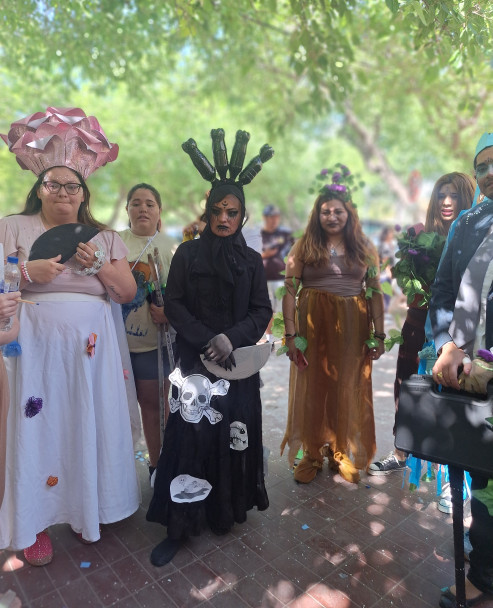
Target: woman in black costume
x=210 y=472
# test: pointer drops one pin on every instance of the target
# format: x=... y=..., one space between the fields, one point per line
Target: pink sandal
x=83 y=540
x=41 y=553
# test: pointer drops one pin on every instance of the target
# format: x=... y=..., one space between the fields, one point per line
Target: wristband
x=290 y=335
x=25 y=273
x=381 y=336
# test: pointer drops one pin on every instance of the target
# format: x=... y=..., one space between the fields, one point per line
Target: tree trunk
x=374 y=157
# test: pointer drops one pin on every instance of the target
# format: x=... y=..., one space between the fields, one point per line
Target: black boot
x=165 y=551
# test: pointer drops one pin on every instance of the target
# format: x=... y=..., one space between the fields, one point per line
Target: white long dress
x=80 y=441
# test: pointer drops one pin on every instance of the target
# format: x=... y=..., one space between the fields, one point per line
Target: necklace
x=333 y=249
x=149 y=241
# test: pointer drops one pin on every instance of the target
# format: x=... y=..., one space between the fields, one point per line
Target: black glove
x=218 y=349
x=228 y=363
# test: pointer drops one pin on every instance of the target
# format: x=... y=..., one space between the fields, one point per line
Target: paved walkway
x=329 y=543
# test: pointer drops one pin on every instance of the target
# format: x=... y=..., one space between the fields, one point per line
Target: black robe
x=203 y=298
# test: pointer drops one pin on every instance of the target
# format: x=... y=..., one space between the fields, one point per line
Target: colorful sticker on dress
x=91 y=345
x=33 y=406
x=186 y=488
x=196 y=392
x=238 y=436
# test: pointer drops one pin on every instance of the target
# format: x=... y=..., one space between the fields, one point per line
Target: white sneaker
x=445 y=502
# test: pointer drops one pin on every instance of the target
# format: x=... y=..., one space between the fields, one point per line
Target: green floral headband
x=343 y=183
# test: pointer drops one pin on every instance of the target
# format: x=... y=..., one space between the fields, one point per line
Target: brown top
x=337 y=278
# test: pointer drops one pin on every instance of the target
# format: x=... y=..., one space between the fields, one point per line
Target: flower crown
x=343 y=183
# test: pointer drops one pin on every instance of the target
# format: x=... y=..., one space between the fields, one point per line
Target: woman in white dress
x=69 y=444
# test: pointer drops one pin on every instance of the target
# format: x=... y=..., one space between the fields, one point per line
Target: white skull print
x=195 y=396
x=238 y=436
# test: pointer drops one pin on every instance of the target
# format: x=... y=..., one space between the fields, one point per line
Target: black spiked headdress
x=222 y=166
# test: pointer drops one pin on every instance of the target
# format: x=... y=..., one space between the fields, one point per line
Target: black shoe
x=467 y=545
x=218 y=530
x=448 y=599
x=165 y=551
x=386 y=465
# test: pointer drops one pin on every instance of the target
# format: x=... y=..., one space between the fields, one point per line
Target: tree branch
x=374 y=157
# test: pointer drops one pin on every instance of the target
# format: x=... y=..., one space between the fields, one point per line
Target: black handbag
x=447 y=427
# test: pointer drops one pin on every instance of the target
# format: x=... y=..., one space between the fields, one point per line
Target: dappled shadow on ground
x=329 y=543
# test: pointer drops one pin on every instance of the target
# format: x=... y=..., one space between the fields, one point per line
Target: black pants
x=481 y=535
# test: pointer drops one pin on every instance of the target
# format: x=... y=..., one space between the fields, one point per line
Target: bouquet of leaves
x=419 y=254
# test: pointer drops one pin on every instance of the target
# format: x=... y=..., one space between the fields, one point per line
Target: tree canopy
x=389 y=86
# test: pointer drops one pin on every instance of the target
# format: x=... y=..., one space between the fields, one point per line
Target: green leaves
x=278 y=325
x=372 y=342
x=306 y=65
x=387 y=289
x=281 y=292
x=392 y=5
x=300 y=343
x=419 y=256
x=394 y=337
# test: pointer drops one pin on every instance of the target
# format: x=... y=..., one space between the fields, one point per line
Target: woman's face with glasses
x=61 y=195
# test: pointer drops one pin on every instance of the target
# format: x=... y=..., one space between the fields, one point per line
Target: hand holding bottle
x=8 y=304
x=11 y=282
x=8 y=309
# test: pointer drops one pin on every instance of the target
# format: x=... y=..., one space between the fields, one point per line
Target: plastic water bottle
x=11 y=282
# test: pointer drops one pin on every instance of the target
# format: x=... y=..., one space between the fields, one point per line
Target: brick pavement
x=327 y=544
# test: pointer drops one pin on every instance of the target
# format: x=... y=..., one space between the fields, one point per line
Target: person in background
x=330 y=395
x=460 y=313
x=276 y=243
x=451 y=194
x=70 y=456
x=142 y=316
x=386 y=253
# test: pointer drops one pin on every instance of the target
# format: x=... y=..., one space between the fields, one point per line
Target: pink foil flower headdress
x=60 y=137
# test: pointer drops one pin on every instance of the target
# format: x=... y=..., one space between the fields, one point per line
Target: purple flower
x=486 y=355
x=412 y=252
x=397 y=227
x=336 y=177
x=345 y=170
x=336 y=187
x=324 y=172
x=33 y=406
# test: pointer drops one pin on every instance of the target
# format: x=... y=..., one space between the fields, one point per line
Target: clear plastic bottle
x=11 y=282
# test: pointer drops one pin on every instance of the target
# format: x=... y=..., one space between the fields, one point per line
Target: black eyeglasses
x=54 y=187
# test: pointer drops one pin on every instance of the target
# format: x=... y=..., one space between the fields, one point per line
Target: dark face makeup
x=225 y=216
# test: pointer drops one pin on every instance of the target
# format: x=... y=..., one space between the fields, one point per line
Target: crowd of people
x=69 y=421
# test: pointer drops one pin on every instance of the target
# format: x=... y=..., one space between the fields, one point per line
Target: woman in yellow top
x=142 y=317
